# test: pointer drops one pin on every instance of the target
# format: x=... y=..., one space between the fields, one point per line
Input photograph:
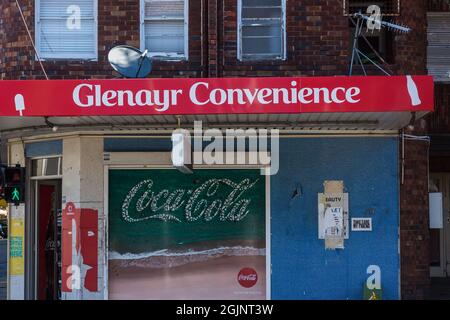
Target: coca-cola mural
x=178 y=236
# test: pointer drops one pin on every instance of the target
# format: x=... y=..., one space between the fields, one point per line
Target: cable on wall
x=31 y=39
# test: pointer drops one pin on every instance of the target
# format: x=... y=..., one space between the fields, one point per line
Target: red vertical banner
x=89 y=247
x=79 y=248
x=70 y=215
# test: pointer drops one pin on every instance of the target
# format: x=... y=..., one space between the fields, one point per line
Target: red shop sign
x=215 y=96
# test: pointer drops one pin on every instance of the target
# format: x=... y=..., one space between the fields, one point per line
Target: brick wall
x=118 y=22
x=410 y=49
x=318 y=42
x=438 y=5
x=414 y=230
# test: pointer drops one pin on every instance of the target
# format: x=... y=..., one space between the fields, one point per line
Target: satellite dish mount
x=130 y=62
x=377 y=23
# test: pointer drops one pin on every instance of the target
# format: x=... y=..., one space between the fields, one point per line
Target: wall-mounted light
x=412 y=121
x=182 y=151
x=51 y=124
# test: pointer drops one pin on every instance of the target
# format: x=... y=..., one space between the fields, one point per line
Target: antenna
x=388 y=25
x=356 y=53
x=130 y=62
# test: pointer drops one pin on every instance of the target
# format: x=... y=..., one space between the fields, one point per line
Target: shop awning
x=310 y=121
x=319 y=103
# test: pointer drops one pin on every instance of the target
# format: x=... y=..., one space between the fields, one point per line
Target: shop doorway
x=48 y=239
x=43 y=230
x=440 y=238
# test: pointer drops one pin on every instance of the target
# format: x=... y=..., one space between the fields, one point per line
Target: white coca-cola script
x=250 y=277
x=143 y=202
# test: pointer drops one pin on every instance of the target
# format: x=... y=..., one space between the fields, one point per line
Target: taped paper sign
x=16 y=247
x=333 y=224
x=333 y=200
x=16 y=242
x=334 y=228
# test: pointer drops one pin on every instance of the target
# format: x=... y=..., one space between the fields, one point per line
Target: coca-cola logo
x=145 y=201
x=247 y=277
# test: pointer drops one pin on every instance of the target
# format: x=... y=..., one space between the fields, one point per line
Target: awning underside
x=17 y=126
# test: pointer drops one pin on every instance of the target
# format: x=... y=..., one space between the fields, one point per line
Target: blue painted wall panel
x=301 y=267
x=160 y=144
x=137 y=144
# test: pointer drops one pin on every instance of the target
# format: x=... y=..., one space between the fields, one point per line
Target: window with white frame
x=51 y=166
x=66 y=29
x=261 y=29
x=164 y=28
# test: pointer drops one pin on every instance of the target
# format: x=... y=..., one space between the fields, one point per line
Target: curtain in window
x=261 y=29
x=164 y=27
x=66 y=28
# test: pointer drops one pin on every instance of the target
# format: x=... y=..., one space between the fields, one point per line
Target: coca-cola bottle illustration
x=413 y=92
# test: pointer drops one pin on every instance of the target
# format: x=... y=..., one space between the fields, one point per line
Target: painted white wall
x=82 y=184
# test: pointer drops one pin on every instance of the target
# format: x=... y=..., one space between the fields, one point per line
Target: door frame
x=444 y=235
x=34 y=182
x=122 y=165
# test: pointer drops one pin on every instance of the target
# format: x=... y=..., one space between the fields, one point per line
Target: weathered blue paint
x=301 y=267
x=163 y=144
x=43 y=148
x=137 y=145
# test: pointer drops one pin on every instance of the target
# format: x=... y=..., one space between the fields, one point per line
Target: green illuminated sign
x=14 y=184
x=16 y=194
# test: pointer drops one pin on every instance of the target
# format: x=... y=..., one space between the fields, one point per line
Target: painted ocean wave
x=166 y=258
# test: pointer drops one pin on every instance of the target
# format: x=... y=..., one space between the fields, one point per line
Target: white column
x=82 y=184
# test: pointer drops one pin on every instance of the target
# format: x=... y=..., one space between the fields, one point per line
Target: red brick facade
x=318 y=44
x=414 y=233
x=414 y=222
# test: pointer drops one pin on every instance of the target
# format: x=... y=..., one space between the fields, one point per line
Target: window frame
x=347 y=8
x=42 y=174
x=64 y=56
x=240 y=55
x=171 y=56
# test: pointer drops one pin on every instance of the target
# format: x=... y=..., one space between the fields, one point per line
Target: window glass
x=261 y=29
x=46 y=167
x=51 y=168
x=66 y=29
x=165 y=28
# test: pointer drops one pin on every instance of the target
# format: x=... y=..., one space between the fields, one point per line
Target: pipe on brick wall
x=411 y=137
x=403 y=157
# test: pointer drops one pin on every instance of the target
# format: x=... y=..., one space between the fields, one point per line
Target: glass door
x=48 y=195
x=44 y=281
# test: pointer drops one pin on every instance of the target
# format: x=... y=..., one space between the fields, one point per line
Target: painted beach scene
x=186 y=236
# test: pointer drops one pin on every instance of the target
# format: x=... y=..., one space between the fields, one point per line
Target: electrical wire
x=31 y=39
x=416 y=138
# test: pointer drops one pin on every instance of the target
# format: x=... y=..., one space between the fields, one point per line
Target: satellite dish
x=130 y=62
